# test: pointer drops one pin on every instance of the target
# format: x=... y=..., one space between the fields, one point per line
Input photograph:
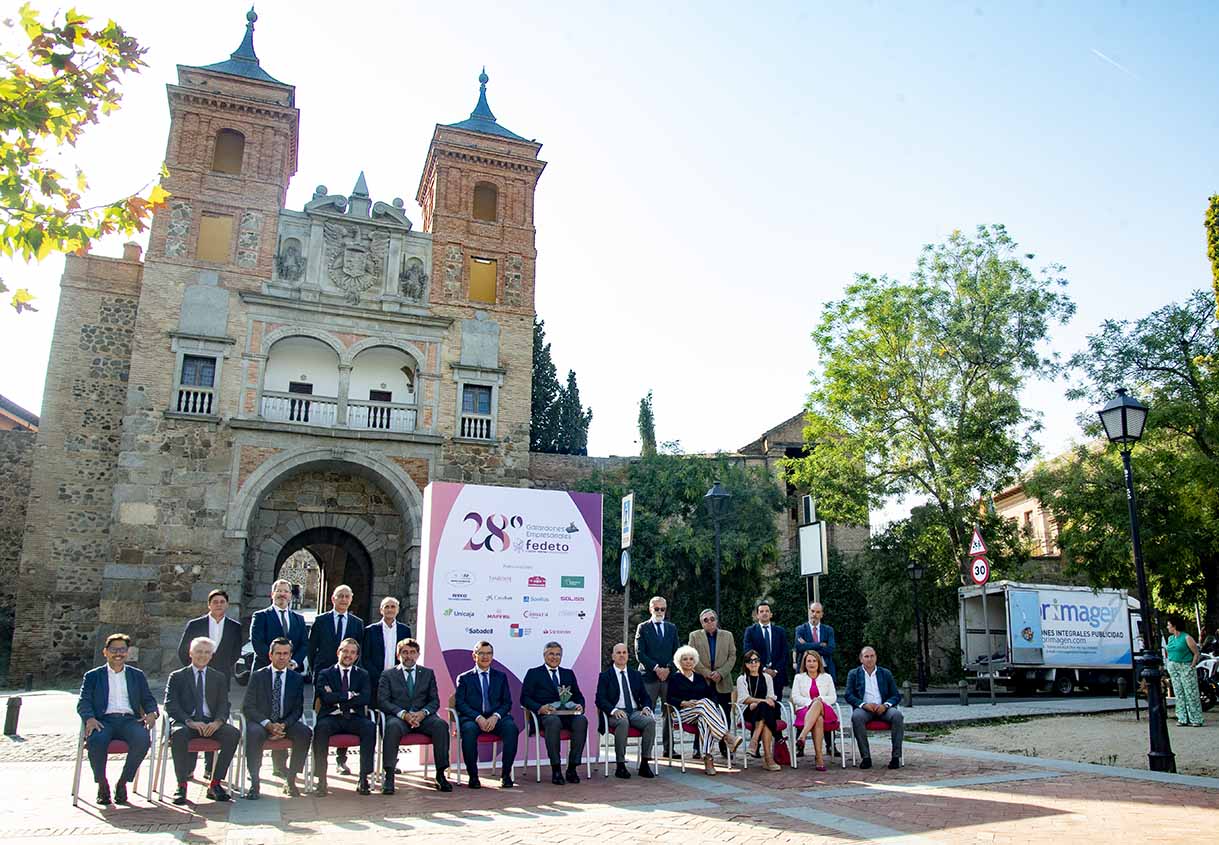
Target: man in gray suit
x=407 y=694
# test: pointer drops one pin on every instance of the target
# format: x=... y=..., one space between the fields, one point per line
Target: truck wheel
x=1063 y=685
x=1210 y=695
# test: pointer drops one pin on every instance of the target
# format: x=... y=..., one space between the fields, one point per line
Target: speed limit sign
x=979 y=570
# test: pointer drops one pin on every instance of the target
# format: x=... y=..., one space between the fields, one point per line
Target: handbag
x=781 y=752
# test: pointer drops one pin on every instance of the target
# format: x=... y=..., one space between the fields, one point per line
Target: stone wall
x=16 y=461
x=564 y=472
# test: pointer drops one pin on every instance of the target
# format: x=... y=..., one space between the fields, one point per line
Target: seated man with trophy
x=552 y=694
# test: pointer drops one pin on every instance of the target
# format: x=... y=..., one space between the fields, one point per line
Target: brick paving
x=942 y=795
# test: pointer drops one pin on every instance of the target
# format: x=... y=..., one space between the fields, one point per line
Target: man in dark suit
x=621 y=696
x=484 y=705
x=329 y=629
x=872 y=693
x=542 y=694
x=814 y=635
x=410 y=701
x=655 y=643
x=221 y=630
x=381 y=639
x=770 y=642
x=344 y=692
x=273 y=707
x=279 y=620
x=116 y=703
x=197 y=705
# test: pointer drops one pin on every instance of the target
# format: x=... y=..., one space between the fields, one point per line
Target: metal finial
x=483 y=79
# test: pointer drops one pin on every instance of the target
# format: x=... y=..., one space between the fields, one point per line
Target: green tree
x=61 y=77
x=919 y=390
x=574 y=419
x=647 y=427
x=1212 y=240
x=544 y=419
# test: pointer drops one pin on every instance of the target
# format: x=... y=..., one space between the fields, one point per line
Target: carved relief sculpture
x=290 y=263
x=355 y=259
x=412 y=281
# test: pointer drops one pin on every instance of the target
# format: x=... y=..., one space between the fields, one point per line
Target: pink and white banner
x=518 y=568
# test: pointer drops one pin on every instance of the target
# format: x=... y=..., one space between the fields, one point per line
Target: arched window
x=230 y=147
x=486 y=198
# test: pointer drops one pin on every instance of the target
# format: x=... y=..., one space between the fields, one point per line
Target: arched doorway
x=341 y=559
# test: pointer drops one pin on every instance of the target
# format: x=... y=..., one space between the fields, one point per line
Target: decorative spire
x=244 y=61
x=482 y=119
x=482 y=110
x=246 y=49
x=361 y=188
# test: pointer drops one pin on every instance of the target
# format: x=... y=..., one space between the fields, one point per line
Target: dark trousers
x=505 y=729
x=551 y=725
x=724 y=700
x=431 y=726
x=256 y=738
x=184 y=761
x=897 y=729
x=130 y=730
x=328 y=726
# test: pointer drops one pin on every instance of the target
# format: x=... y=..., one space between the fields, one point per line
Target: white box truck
x=1046 y=637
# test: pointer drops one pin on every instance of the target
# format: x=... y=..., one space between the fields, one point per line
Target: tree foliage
x=1212 y=240
x=647 y=427
x=57 y=78
x=919 y=389
x=544 y=419
x=574 y=420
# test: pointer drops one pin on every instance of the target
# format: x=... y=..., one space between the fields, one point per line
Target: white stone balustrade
x=299 y=408
x=380 y=416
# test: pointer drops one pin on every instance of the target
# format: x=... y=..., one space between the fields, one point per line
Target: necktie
x=766 y=637
x=659 y=631
x=410 y=683
x=626 y=691
x=816 y=633
x=486 y=692
x=283 y=621
x=340 y=624
x=346 y=683
x=554 y=676
x=199 y=695
x=277 y=693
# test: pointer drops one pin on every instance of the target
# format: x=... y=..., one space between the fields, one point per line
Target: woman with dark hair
x=813 y=696
x=756 y=691
x=1182 y=659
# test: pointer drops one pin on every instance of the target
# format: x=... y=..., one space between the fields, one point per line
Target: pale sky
x=718 y=172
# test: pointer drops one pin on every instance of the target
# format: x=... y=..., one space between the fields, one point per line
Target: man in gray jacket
x=407 y=695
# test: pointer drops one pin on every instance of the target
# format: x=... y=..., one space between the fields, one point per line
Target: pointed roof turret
x=244 y=61
x=361 y=188
x=481 y=119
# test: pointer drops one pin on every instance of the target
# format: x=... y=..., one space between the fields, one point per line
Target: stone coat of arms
x=355 y=259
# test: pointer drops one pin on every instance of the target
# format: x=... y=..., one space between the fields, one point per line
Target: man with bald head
x=624 y=701
x=872 y=693
x=815 y=635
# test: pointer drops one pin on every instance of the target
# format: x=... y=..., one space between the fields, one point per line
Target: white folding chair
x=117 y=746
x=483 y=739
x=410 y=739
x=607 y=743
x=194 y=745
x=535 y=728
x=284 y=744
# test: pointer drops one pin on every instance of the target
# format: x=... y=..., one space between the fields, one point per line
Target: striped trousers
x=707 y=716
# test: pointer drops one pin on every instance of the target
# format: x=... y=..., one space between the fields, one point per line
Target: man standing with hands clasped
x=655 y=644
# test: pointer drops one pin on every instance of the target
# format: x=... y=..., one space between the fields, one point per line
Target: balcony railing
x=299 y=408
x=476 y=426
x=195 y=400
x=380 y=416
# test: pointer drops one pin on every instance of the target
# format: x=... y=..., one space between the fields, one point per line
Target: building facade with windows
x=270 y=379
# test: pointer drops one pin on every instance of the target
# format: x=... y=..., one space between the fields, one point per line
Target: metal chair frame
x=535 y=727
x=788 y=728
x=350 y=741
x=417 y=740
x=607 y=738
x=163 y=761
x=483 y=739
x=116 y=746
x=284 y=744
x=847 y=731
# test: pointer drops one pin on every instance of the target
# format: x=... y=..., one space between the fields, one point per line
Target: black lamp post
x=916 y=571
x=717 y=502
x=1123 y=418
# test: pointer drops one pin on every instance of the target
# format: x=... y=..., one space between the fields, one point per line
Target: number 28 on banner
x=979 y=570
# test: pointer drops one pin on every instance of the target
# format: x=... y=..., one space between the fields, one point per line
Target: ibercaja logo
x=490 y=532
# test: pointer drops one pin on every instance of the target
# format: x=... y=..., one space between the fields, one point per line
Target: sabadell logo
x=480 y=630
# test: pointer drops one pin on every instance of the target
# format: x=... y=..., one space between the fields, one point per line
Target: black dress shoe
x=103 y=794
x=387 y=785
x=506 y=783
x=865 y=763
x=474 y=782
x=218 y=793
x=895 y=763
x=253 y=794
x=442 y=783
x=320 y=791
x=556 y=777
x=180 y=795
x=621 y=772
x=120 y=793
x=645 y=771
x=290 y=787
x=362 y=788
x=572 y=775
x=800 y=748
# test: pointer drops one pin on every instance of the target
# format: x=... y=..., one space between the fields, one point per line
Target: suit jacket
x=469 y=696
x=884 y=682
x=779 y=658
x=372 y=653
x=181 y=696
x=725 y=657
x=538 y=688
x=328 y=688
x=608 y=689
x=393 y=696
x=324 y=640
x=95 y=693
x=228 y=650
x=804 y=642
x=681 y=689
x=652 y=651
x=257 y=704
x=265 y=626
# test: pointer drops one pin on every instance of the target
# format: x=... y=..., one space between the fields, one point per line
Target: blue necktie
x=486 y=693
x=199 y=695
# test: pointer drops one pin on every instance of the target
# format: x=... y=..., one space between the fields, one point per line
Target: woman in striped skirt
x=690 y=694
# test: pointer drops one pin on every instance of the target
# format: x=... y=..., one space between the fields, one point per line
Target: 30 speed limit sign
x=979 y=570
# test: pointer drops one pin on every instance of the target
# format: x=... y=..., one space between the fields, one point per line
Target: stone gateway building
x=267 y=379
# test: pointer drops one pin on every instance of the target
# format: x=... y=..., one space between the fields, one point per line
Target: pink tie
x=816 y=633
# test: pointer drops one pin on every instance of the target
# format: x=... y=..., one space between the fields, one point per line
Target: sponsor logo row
x=516 y=631
x=464 y=578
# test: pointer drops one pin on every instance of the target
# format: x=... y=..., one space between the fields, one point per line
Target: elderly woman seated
x=692 y=697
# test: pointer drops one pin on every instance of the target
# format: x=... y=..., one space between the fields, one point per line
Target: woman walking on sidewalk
x=1182 y=662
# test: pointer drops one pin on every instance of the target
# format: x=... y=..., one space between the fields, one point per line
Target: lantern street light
x=916 y=571
x=717 y=503
x=1123 y=418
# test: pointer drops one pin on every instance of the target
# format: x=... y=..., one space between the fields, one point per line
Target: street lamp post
x=717 y=502
x=916 y=571
x=1123 y=418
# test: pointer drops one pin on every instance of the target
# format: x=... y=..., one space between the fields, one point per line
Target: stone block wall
x=16 y=461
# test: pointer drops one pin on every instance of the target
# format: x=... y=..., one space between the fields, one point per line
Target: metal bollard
x=11 y=715
x=1121 y=687
x=907 y=694
x=963 y=690
x=29 y=681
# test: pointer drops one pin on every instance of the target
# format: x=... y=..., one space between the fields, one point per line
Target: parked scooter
x=1208 y=679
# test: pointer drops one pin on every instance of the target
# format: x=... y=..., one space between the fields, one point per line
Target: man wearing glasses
x=655 y=644
x=485 y=706
x=716 y=659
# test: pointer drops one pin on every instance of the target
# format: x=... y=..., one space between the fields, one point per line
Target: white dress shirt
x=118 y=701
x=871 y=688
x=389 y=636
x=215 y=630
x=803 y=692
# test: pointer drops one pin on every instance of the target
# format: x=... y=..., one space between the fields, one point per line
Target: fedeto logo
x=490 y=532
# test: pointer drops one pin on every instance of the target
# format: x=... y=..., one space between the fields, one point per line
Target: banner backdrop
x=1072 y=627
x=518 y=568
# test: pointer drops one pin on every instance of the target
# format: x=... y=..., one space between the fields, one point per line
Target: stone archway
x=342 y=558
